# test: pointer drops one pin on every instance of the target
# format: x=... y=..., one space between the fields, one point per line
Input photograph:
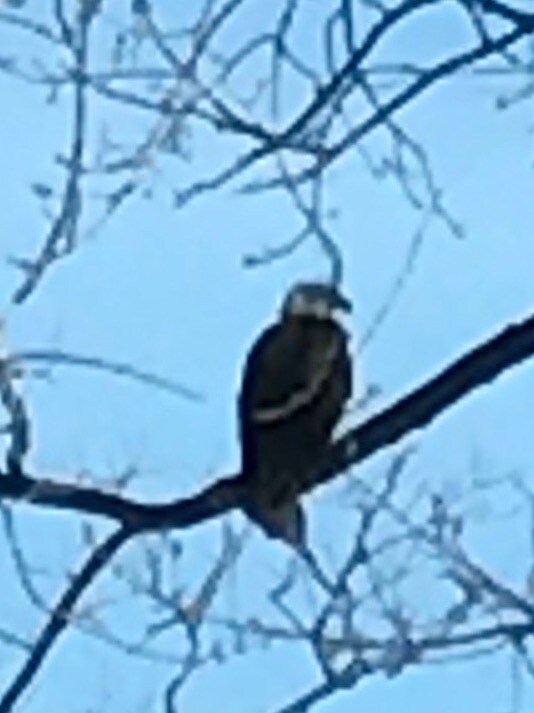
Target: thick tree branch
x=522 y=19
x=479 y=366
x=510 y=347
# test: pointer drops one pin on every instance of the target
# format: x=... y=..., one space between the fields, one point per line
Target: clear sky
x=165 y=290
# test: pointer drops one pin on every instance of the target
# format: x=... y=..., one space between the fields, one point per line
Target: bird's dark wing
x=287 y=368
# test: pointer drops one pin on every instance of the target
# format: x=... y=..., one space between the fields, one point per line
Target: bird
x=296 y=382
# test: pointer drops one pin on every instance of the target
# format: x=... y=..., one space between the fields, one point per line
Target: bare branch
x=61 y=237
x=478 y=367
x=57 y=356
x=61 y=615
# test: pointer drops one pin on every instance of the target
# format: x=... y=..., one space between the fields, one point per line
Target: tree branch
x=414 y=411
x=510 y=347
x=61 y=616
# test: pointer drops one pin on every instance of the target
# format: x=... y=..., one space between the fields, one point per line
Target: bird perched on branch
x=296 y=382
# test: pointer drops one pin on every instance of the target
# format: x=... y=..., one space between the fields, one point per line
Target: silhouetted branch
x=510 y=347
x=58 y=357
x=61 y=237
x=61 y=616
x=481 y=365
x=355 y=672
x=294 y=136
x=294 y=114
x=478 y=367
x=19 y=426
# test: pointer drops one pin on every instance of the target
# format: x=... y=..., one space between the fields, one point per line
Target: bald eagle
x=296 y=382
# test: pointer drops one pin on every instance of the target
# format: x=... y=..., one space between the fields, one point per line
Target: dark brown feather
x=296 y=382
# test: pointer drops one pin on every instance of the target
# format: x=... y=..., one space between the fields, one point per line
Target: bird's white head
x=314 y=299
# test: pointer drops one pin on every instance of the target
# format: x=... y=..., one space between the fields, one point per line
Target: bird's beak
x=341 y=302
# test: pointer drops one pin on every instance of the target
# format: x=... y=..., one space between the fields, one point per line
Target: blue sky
x=166 y=290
